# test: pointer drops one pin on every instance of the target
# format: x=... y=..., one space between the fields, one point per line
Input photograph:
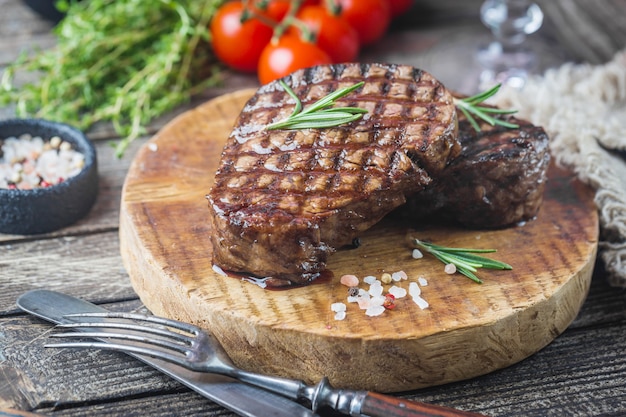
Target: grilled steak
x=498 y=179
x=284 y=200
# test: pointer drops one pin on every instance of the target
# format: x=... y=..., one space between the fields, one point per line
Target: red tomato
x=235 y=44
x=333 y=34
x=370 y=18
x=276 y=9
x=288 y=54
x=398 y=7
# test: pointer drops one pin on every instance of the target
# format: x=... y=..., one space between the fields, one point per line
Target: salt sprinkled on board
x=397 y=292
x=375 y=311
x=219 y=270
x=337 y=307
x=376 y=289
x=414 y=289
x=421 y=303
x=370 y=279
x=379 y=300
x=415 y=292
x=400 y=275
x=422 y=281
x=416 y=254
x=349 y=280
x=340 y=315
x=450 y=269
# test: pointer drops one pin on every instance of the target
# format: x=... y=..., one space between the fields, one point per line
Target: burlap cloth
x=583 y=110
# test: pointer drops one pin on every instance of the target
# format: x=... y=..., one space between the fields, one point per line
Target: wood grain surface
x=468 y=330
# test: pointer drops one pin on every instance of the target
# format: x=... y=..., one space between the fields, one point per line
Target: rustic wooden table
x=582 y=373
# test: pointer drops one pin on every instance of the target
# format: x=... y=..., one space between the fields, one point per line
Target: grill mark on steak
x=498 y=180
x=283 y=201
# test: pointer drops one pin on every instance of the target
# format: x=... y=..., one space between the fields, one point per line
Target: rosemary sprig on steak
x=465 y=260
x=469 y=106
x=320 y=114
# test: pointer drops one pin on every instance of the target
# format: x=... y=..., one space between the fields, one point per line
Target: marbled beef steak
x=284 y=200
x=498 y=179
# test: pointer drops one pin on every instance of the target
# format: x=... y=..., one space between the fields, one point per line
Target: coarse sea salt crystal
x=379 y=300
x=375 y=311
x=397 y=276
x=376 y=289
x=337 y=307
x=414 y=289
x=416 y=254
x=450 y=269
x=363 y=303
x=219 y=270
x=420 y=302
x=397 y=292
x=340 y=315
x=422 y=281
x=349 y=280
x=370 y=279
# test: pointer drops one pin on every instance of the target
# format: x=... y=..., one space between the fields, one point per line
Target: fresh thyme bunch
x=121 y=61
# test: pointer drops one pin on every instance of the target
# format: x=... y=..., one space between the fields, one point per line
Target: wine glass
x=508 y=59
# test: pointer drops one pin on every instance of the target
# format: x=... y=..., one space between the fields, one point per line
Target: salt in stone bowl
x=43 y=210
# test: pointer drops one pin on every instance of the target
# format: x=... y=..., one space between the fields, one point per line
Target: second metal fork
x=189 y=346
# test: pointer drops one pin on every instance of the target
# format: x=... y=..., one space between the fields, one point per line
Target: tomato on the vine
x=399 y=6
x=275 y=10
x=370 y=18
x=238 y=45
x=288 y=54
x=333 y=34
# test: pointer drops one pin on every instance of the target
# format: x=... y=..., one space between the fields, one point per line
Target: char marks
x=325 y=186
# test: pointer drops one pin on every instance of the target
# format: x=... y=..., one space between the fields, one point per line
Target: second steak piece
x=284 y=200
x=498 y=179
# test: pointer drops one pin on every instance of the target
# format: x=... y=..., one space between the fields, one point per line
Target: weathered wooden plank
x=88 y=266
x=580 y=374
x=35 y=376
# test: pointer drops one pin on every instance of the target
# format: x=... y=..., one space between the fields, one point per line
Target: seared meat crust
x=498 y=179
x=284 y=200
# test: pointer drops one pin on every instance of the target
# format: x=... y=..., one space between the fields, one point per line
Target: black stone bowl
x=44 y=210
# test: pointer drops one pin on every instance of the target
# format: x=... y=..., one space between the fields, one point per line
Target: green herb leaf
x=465 y=260
x=319 y=115
x=120 y=61
x=470 y=108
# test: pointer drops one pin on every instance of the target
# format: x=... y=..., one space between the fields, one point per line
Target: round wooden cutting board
x=468 y=329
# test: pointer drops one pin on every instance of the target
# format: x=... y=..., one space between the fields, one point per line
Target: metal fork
x=193 y=348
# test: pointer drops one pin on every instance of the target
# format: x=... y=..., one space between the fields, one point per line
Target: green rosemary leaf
x=293 y=95
x=319 y=124
x=319 y=115
x=330 y=98
x=318 y=120
x=464 y=259
x=470 y=275
x=497 y=111
x=451 y=250
x=351 y=110
x=469 y=117
x=480 y=97
x=469 y=106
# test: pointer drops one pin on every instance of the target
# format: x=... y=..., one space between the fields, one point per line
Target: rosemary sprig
x=320 y=114
x=469 y=106
x=465 y=260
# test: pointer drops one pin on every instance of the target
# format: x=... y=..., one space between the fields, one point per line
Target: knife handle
x=371 y=404
x=379 y=405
